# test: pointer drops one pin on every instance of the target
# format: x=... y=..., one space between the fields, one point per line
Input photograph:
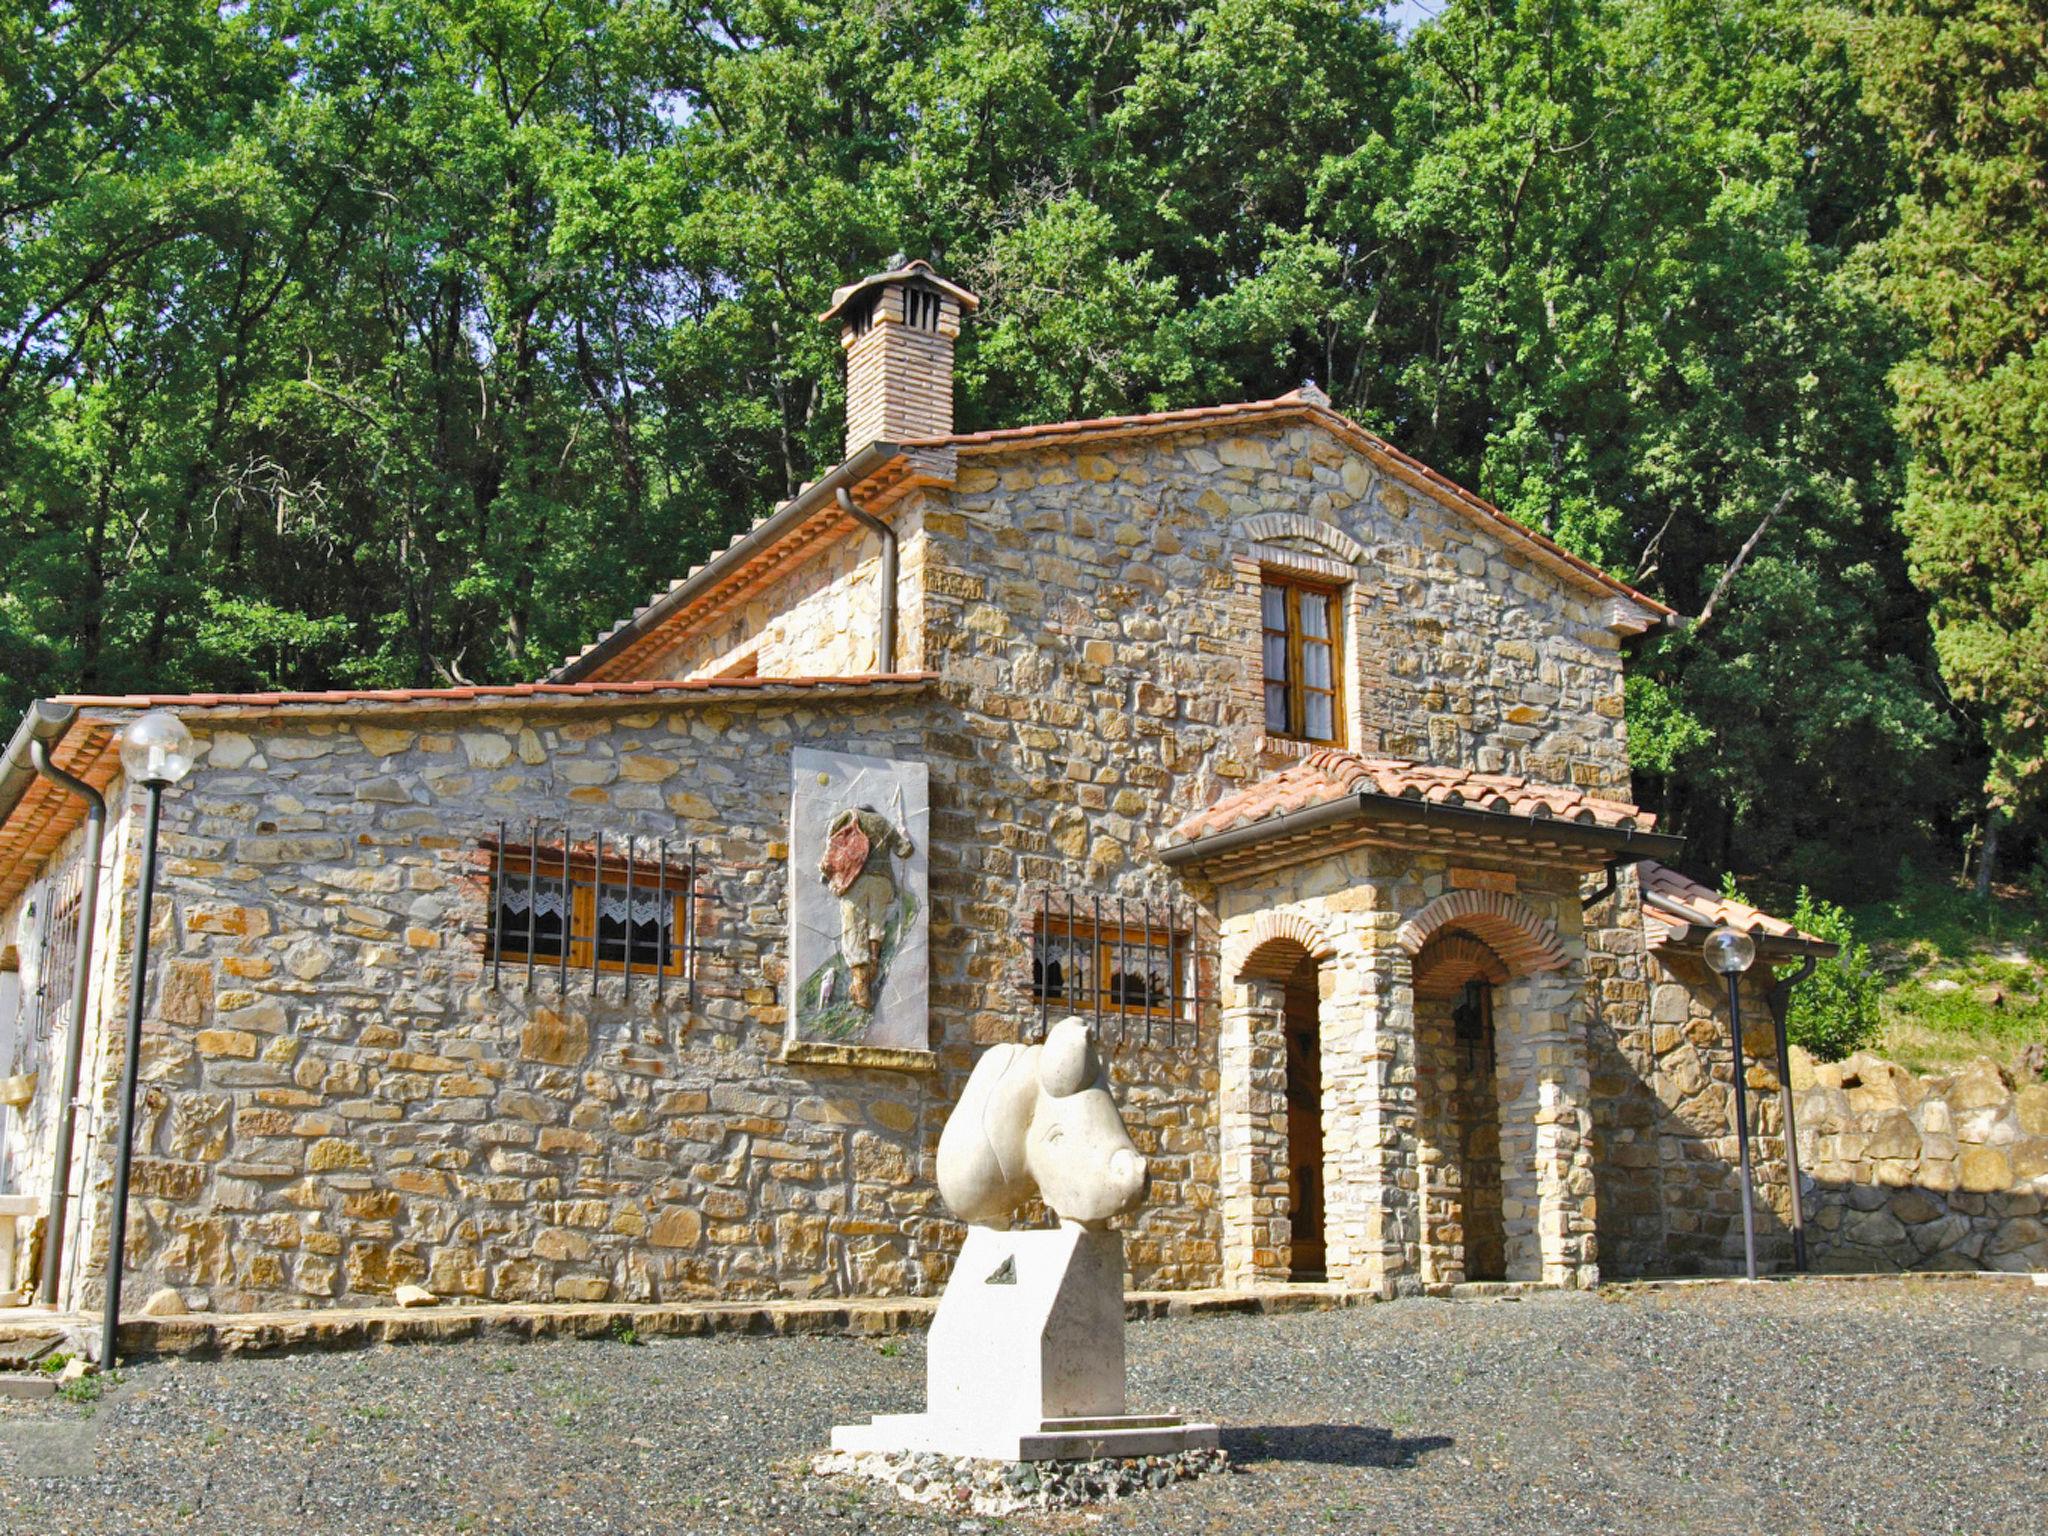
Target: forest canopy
x=398 y=342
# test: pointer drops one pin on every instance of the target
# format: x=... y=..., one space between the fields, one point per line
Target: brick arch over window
x=1452 y=959
x=1506 y=924
x=1298 y=525
x=1278 y=943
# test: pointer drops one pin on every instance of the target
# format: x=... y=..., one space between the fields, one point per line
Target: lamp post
x=1729 y=952
x=156 y=751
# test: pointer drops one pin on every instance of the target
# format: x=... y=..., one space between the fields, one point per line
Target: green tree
x=406 y=341
x=1964 y=88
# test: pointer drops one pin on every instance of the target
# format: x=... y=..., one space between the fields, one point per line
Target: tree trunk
x=1988 y=859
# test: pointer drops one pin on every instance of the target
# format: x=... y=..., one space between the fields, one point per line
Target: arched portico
x=1400 y=888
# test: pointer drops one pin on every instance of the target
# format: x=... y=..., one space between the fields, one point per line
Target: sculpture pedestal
x=1026 y=1359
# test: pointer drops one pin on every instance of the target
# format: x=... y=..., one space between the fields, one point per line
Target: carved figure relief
x=858 y=900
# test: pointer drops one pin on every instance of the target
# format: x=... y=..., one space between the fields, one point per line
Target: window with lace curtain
x=629 y=910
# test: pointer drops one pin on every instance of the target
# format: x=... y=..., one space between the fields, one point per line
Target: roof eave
x=1401 y=810
x=820 y=494
x=1693 y=927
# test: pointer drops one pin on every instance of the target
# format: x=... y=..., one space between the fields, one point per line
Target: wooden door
x=1305 y=1258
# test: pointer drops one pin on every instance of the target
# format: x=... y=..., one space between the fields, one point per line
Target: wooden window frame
x=512 y=870
x=1298 y=690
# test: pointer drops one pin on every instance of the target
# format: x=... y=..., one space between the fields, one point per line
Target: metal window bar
x=496 y=910
x=620 y=942
x=626 y=922
x=1086 y=966
x=57 y=944
x=596 y=881
x=568 y=912
x=532 y=894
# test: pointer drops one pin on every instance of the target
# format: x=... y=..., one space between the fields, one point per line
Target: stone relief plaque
x=859 y=903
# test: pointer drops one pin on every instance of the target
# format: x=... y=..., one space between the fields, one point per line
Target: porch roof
x=1331 y=786
x=1673 y=906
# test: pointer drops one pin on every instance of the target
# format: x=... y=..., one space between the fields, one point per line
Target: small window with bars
x=1128 y=961
x=612 y=906
x=1301 y=660
x=45 y=1005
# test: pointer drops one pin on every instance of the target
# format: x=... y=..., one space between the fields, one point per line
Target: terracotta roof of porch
x=1330 y=773
x=1672 y=903
x=1331 y=785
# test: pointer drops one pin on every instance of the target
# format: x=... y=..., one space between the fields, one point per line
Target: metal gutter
x=1370 y=805
x=46 y=722
x=820 y=494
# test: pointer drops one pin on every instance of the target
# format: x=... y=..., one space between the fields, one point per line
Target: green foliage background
x=398 y=341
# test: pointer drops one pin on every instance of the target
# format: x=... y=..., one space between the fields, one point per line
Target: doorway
x=1477 y=1107
x=1307 y=1255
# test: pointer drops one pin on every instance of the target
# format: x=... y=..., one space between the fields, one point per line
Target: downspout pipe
x=1780 y=999
x=1607 y=885
x=885 y=621
x=74 y=1034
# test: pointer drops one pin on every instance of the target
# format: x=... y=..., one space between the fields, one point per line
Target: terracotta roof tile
x=1329 y=774
x=1662 y=926
x=511 y=692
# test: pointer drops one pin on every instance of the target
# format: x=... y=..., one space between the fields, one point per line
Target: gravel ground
x=1823 y=1408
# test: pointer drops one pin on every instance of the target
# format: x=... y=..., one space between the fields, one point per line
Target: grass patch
x=86 y=1391
x=1963 y=978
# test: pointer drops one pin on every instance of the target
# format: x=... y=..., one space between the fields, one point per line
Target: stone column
x=1547 y=1203
x=1368 y=1024
x=1252 y=1088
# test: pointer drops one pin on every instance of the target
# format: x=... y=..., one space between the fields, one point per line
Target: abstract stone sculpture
x=1039 y=1119
x=1026 y=1356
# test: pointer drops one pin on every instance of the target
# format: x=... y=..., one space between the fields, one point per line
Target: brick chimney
x=898 y=328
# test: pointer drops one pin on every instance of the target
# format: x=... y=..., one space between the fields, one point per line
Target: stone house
x=1298 y=769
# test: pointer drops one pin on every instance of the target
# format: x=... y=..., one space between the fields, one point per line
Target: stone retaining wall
x=1906 y=1172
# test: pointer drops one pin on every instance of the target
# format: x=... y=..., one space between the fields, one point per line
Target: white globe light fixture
x=157 y=749
x=156 y=752
x=1728 y=953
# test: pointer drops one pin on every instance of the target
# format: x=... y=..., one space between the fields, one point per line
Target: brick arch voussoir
x=1506 y=924
x=1452 y=958
x=1277 y=943
x=1299 y=525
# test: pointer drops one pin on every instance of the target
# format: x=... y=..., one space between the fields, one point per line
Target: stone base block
x=1026 y=1359
x=1130 y=1434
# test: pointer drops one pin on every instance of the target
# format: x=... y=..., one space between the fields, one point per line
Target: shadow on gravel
x=1344 y=1445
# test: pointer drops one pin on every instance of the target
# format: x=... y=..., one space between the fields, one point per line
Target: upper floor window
x=1301 y=658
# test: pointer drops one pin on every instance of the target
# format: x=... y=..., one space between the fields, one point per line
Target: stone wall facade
x=1671 y=1183
x=1906 y=1172
x=337 y=1099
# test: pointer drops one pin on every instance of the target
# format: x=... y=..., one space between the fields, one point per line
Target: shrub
x=1835 y=1010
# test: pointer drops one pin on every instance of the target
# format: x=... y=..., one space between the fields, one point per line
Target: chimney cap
x=900 y=271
